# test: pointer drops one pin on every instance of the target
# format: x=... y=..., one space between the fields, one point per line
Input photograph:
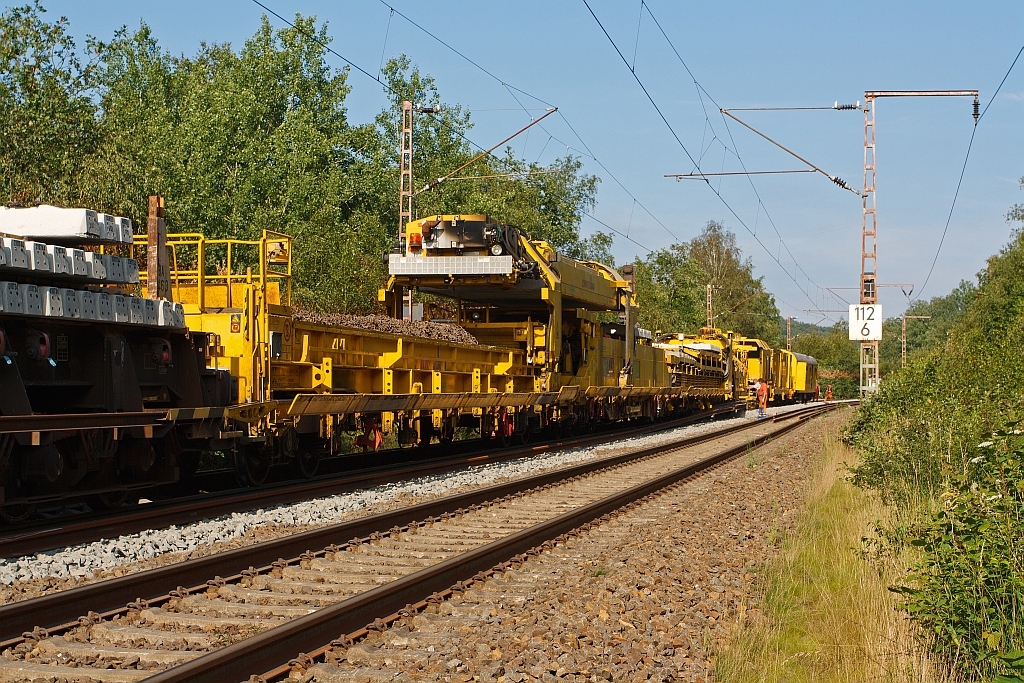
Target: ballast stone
x=84 y=559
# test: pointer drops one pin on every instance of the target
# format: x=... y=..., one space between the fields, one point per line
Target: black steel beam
x=62 y=423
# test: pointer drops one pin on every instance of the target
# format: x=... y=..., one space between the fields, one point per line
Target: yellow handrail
x=280 y=255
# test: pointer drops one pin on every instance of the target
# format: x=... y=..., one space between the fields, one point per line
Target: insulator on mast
x=975 y=110
x=844 y=107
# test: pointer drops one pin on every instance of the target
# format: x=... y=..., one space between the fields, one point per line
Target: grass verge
x=826 y=614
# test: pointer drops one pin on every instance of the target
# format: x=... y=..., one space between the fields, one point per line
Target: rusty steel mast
x=869 y=360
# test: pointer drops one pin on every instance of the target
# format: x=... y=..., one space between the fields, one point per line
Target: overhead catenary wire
x=512 y=92
x=384 y=47
x=967 y=156
x=700 y=176
x=701 y=93
x=617 y=232
x=642 y=86
x=547 y=104
x=509 y=175
x=671 y=129
x=434 y=183
x=326 y=47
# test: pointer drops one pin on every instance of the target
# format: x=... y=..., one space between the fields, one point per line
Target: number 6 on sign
x=865 y=322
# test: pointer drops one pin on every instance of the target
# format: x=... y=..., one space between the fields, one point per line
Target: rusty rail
x=268 y=651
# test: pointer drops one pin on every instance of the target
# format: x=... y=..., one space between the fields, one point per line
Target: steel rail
x=64 y=532
x=62 y=610
x=271 y=649
x=20 y=424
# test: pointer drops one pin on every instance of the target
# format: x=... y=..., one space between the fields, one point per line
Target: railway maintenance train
x=124 y=357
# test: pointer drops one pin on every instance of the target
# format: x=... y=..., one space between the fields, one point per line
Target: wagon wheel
x=252 y=466
x=523 y=433
x=111 y=500
x=17 y=512
x=305 y=462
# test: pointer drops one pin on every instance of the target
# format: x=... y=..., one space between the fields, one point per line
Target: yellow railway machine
x=573 y=321
x=307 y=383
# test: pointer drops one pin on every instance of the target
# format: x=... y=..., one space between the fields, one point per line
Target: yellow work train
x=791 y=377
x=559 y=349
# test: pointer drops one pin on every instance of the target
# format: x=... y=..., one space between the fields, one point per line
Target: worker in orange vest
x=762 y=399
x=828 y=393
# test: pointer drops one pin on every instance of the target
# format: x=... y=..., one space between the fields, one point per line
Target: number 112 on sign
x=865 y=322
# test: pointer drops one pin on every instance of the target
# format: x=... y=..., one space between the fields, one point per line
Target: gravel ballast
x=33 y=575
x=645 y=596
x=382 y=323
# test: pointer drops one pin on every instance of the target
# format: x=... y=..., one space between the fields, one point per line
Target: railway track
x=390 y=467
x=265 y=611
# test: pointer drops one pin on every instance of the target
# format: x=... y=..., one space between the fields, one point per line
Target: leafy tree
x=672 y=287
x=255 y=139
x=740 y=300
x=924 y=335
x=668 y=287
x=47 y=115
x=238 y=143
x=926 y=442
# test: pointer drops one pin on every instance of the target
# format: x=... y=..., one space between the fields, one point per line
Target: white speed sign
x=865 y=322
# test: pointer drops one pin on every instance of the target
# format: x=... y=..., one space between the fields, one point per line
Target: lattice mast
x=869 y=359
x=868 y=259
x=405 y=190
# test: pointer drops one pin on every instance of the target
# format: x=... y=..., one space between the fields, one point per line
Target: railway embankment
x=655 y=593
x=825 y=609
x=940 y=443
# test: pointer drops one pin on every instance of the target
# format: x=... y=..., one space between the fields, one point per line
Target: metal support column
x=868 y=248
x=405 y=189
x=868 y=263
x=711 y=316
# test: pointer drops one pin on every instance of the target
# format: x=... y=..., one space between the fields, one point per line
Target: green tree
x=240 y=143
x=740 y=301
x=924 y=335
x=669 y=289
x=47 y=115
x=672 y=287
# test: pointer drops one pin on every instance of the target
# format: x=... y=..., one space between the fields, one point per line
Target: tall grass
x=924 y=445
x=826 y=612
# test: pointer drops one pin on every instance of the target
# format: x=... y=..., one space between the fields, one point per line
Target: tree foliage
x=48 y=124
x=924 y=335
x=241 y=141
x=919 y=438
x=672 y=286
x=668 y=288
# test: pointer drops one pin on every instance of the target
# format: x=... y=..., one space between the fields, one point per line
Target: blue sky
x=743 y=55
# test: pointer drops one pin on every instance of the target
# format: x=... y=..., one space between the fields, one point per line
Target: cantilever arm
x=835 y=179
